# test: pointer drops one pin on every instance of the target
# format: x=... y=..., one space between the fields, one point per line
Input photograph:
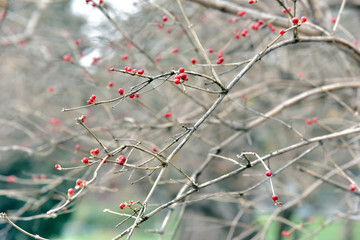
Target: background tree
x=179 y=119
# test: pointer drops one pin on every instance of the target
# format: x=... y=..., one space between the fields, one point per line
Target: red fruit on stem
x=295 y=20
x=193 y=60
x=141 y=71
x=308 y=122
x=85 y=160
x=79 y=182
x=275 y=197
x=167 y=115
x=70 y=191
x=268 y=173
x=57 y=166
x=164 y=18
x=121 y=91
x=122 y=206
x=352 y=187
x=67 y=58
x=242 y=13
x=282 y=31
x=121 y=160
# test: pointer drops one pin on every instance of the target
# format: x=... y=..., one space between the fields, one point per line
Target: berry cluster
x=135 y=71
x=94 y=152
x=91 y=99
x=181 y=76
x=94 y=4
x=311 y=121
x=220 y=56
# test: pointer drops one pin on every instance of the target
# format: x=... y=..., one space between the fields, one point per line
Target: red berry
x=193 y=60
x=308 y=121
x=70 y=191
x=352 y=187
x=134 y=70
x=295 y=20
x=301 y=75
x=268 y=173
x=244 y=32
x=275 y=197
x=282 y=31
x=157 y=59
x=57 y=166
x=314 y=120
x=51 y=89
x=255 y=26
x=89 y=102
x=124 y=57
x=96 y=150
x=94 y=4
x=110 y=69
x=141 y=71
x=137 y=95
x=82 y=120
x=79 y=182
x=221 y=60
x=165 y=18
x=128 y=69
x=122 y=206
x=121 y=160
x=237 y=36
x=77 y=147
x=284 y=10
x=67 y=58
x=303 y=19
x=168 y=114
x=285 y=234
x=121 y=91
x=230 y=20
x=220 y=54
x=77 y=42
x=93 y=97
x=242 y=13
x=110 y=84
x=175 y=50
x=261 y=22
x=333 y=20
x=181 y=70
x=11 y=179
x=85 y=160
x=177 y=81
x=183 y=75
x=251 y=1
x=131 y=95
x=154 y=149
x=273 y=29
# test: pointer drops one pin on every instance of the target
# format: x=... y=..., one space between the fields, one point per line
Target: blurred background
x=37 y=83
